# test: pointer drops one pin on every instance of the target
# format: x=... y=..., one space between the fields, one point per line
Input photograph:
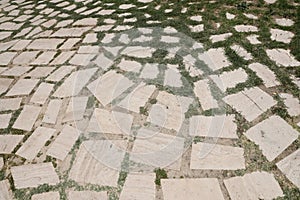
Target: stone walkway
x=149 y=99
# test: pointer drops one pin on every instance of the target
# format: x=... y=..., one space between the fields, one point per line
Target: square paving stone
x=273 y=136
x=257 y=185
x=33 y=175
x=251 y=102
x=191 y=189
x=9 y=142
x=46 y=196
x=87 y=195
x=5 y=191
x=216 y=157
x=22 y=87
x=27 y=118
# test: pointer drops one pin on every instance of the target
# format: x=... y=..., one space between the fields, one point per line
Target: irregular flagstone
x=292 y=104
x=150 y=71
x=268 y=76
x=169 y=110
x=42 y=93
x=284 y=22
x=113 y=122
x=10 y=104
x=45 y=44
x=290 y=167
x=229 y=79
x=88 y=49
x=27 y=118
x=9 y=142
x=113 y=50
x=273 y=136
x=256 y=185
x=250 y=102
x=137 y=98
x=5 y=191
x=219 y=38
x=74 y=83
x=70 y=32
x=216 y=157
x=4 y=84
x=46 y=196
x=282 y=57
x=98 y=162
x=172 y=76
x=138 y=51
x=4 y=120
x=130 y=65
x=157 y=150
x=241 y=52
x=103 y=62
x=253 y=39
x=281 y=35
x=6 y=57
x=222 y=126
x=52 y=111
x=229 y=16
x=245 y=28
x=191 y=189
x=197 y=28
x=75 y=109
x=33 y=175
x=87 y=195
x=215 y=58
x=5 y=34
x=90 y=38
x=35 y=142
x=63 y=142
x=60 y=73
x=116 y=82
x=139 y=186
x=10 y=26
x=22 y=87
x=204 y=94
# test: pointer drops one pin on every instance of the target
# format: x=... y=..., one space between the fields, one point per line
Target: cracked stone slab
x=282 y=57
x=222 y=126
x=45 y=44
x=9 y=142
x=27 y=118
x=204 y=94
x=216 y=157
x=5 y=191
x=116 y=82
x=33 y=175
x=292 y=104
x=22 y=87
x=273 y=136
x=46 y=196
x=290 y=167
x=251 y=103
x=253 y=186
x=263 y=72
x=87 y=195
x=177 y=189
x=215 y=58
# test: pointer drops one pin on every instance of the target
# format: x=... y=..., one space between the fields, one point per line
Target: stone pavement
x=147 y=99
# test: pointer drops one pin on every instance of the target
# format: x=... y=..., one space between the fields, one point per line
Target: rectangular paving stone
x=222 y=126
x=1 y=163
x=272 y=135
x=220 y=60
x=42 y=93
x=69 y=44
x=5 y=191
x=6 y=57
x=207 y=156
x=75 y=109
x=268 y=76
x=35 y=142
x=20 y=45
x=139 y=186
x=44 y=58
x=16 y=71
x=292 y=104
x=45 y=44
x=87 y=195
x=25 y=57
x=22 y=87
x=46 y=196
x=191 y=189
x=40 y=72
x=60 y=73
x=62 y=58
x=92 y=165
x=63 y=143
x=9 y=142
x=27 y=118
x=33 y=175
x=4 y=84
x=4 y=120
x=71 y=32
x=81 y=59
x=203 y=93
x=256 y=185
x=52 y=111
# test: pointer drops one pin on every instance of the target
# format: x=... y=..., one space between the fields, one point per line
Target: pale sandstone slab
x=63 y=143
x=290 y=167
x=87 y=195
x=281 y=35
x=4 y=84
x=35 y=142
x=98 y=162
x=197 y=28
x=216 y=157
x=44 y=58
x=22 y=87
x=191 y=189
x=138 y=51
x=222 y=126
x=25 y=57
x=52 y=111
x=45 y=44
x=16 y=71
x=33 y=175
x=75 y=109
x=215 y=58
x=282 y=57
x=245 y=28
x=6 y=57
x=253 y=39
x=116 y=82
x=157 y=150
x=204 y=94
x=257 y=185
x=292 y=104
x=46 y=196
x=251 y=102
x=90 y=38
x=172 y=76
x=5 y=191
x=1 y=163
x=268 y=76
x=273 y=136
x=40 y=72
x=137 y=98
x=270 y=1
x=4 y=120
x=220 y=37
x=74 y=83
x=150 y=71
x=27 y=118
x=81 y=59
x=130 y=65
x=62 y=58
x=284 y=22
x=86 y=22
x=60 y=73
x=139 y=186
x=241 y=52
x=103 y=62
x=9 y=142
x=229 y=79
x=70 y=32
x=69 y=44
x=42 y=93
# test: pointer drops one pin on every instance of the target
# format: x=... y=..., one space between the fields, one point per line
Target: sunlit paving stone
x=241 y=52
x=6 y=57
x=268 y=76
x=42 y=93
x=45 y=44
x=203 y=93
x=87 y=195
x=215 y=58
x=4 y=120
x=46 y=196
x=9 y=142
x=291 y=103
x=75 y=109
x=281 y=35
x=27 y=118
x=5 y=191
x=282 y=57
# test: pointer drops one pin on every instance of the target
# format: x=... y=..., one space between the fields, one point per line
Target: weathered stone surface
x=63 y=143
x=290 y=167
x=16 y=71
x=87 y=195
x=268 y=76
x=103 y=62
x=284 y=22
x=40 y=72
x=150 y=71
x=27 y=118
x=45 y=44
x=22 y=87
x=46 y=196
x=204 y=94
x=253 y=39
x=4 y=120
x=62 y=58
x=70 y=32
x=241 y=52
x=33 y=175
x=81 y=59
x=5 y=191
x=220 y=37
x=191 y=189
x=52 y=111
x=215 y=58
x=35 y=142
x=60 y=73
x=9 y=142
x=6 y=57
x=273 y=136
x=138 y=51
x=292 y=104
x=139 y=186
x=257 y=185
x=281 y=35
x=25 y=57
x=42 y=93
x=129 y=65
x=282 y=57
x=245 y=28
x=44 y=58
x=75 y=109
x=4 y=84
x=250 y=102
x=172 y=76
